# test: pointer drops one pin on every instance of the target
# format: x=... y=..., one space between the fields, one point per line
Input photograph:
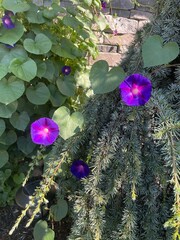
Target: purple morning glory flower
x=9 y=13
x=66 y=70
x=80 y=169
x=103 y=5
x=135 y=90
x=7 y=22
x=44 y=131
x=9 y=46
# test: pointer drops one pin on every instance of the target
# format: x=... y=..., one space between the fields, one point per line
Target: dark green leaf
x=8 y=138
x=41 y=45
x=15 y=6
x=13 y=35
x=103 y=81
x=42 y=232
x=72 y=22
x=3 y=70
x=20 y=120
x=68 y=124
x=67 y=49
x=66 y=86
x=56 y=98
x=38 y=94
x=11 y=89
x=59 y=210
x=25 y=145
x=2 y=126
x=154 y=53
x=25 y=70
x=4 y=157
x=7 y=110
x=18 y=178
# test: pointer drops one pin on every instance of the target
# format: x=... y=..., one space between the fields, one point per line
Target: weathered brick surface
x=140 y=15
x=147 y=2
x=123 y=25
x=100 y=38
x=122 y=4
x=112 y=40
x=142 y=23
x=129 y=18
x=126 y=39
x=108 y=48
x=119 y=40
x=113 y=59
x=122 y=13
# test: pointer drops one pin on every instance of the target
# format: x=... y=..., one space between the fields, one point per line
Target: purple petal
x=80 y=169
x=7 y=22
x=135 y=90
x=9 y=13
x=44 y=131
x=103 y=5
x=9 y=46
x=66 y=70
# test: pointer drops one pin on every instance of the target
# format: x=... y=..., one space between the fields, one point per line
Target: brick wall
x=126 y=18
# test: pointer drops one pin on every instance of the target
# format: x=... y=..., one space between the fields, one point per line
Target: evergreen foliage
x=132 y=192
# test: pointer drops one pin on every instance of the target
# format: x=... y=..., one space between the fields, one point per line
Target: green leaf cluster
x=32 y=85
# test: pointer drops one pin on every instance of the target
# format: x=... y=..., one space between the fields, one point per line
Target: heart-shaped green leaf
x=2 y=126
x=3 y=70
x=8 y=138
x=41 y=45
x=67 y=49
x=25 y=70
x=16 y=52
x=59 y=210
x=3 y=51
x=66 y=86
x=49 y=13
x=38 y=94
x=4 y=157
x=103 y=81
x=42 y=232
x=56 y=98
x=68 y=124
x=13 y=35
x=10 y=54
x=15 y=6
x=25 y=145
x=72 y=22
x=101 y=21
x=20 y=120
x=50 y=70
x=154 y=53
x=11 y=89
x=88 y=2
x=41 y=68
x=35 y=15
x=6 y=111
x=18 y=178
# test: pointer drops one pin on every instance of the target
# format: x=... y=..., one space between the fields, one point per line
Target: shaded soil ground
x=8 y=216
